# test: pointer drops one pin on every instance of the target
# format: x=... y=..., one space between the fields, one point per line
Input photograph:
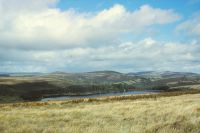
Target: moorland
x=174 y=109
x=20 y=87
x=155 y=113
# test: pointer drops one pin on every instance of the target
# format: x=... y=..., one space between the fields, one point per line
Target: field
x=142 y=114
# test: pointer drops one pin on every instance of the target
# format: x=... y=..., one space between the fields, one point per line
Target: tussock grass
x=157 y=113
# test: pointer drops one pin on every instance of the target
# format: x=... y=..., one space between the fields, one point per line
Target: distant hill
x=34 y=86
x=22 y=74
x=163 y=74
x=95 y=77
x=4 y=75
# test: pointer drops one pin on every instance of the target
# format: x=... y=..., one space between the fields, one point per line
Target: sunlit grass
x=175 y=114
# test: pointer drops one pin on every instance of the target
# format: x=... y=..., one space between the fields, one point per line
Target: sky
x=93 y=35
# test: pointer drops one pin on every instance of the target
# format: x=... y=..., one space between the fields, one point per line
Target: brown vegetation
x=144 y=114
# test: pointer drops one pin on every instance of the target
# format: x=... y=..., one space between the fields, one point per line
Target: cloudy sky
x=88 y=35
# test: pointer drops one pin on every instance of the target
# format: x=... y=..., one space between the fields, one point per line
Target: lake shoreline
x=95 y=95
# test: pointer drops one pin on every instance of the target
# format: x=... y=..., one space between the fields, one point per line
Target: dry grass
x=175 y=114
x=102 y=99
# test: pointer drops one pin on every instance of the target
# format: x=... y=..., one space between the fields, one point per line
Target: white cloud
x=191 y=26
x=37 y=36
x=16 y=6
x=34 y=24
x=146 y=54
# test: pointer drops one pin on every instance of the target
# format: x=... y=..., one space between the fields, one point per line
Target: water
x=59 y=98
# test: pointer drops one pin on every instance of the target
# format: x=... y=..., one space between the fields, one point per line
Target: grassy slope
x=165 y=115
x=33 y=88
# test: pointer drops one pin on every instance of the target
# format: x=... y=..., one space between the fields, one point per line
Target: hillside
x=34 y=86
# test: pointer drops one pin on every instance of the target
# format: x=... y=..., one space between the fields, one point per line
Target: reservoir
x=60 y=98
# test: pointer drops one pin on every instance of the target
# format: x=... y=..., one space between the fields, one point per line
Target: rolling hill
x=26 y=86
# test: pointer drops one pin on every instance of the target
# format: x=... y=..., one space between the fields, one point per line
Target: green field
x=133 y=114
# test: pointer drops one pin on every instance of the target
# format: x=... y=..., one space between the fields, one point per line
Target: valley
x=34 y=87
